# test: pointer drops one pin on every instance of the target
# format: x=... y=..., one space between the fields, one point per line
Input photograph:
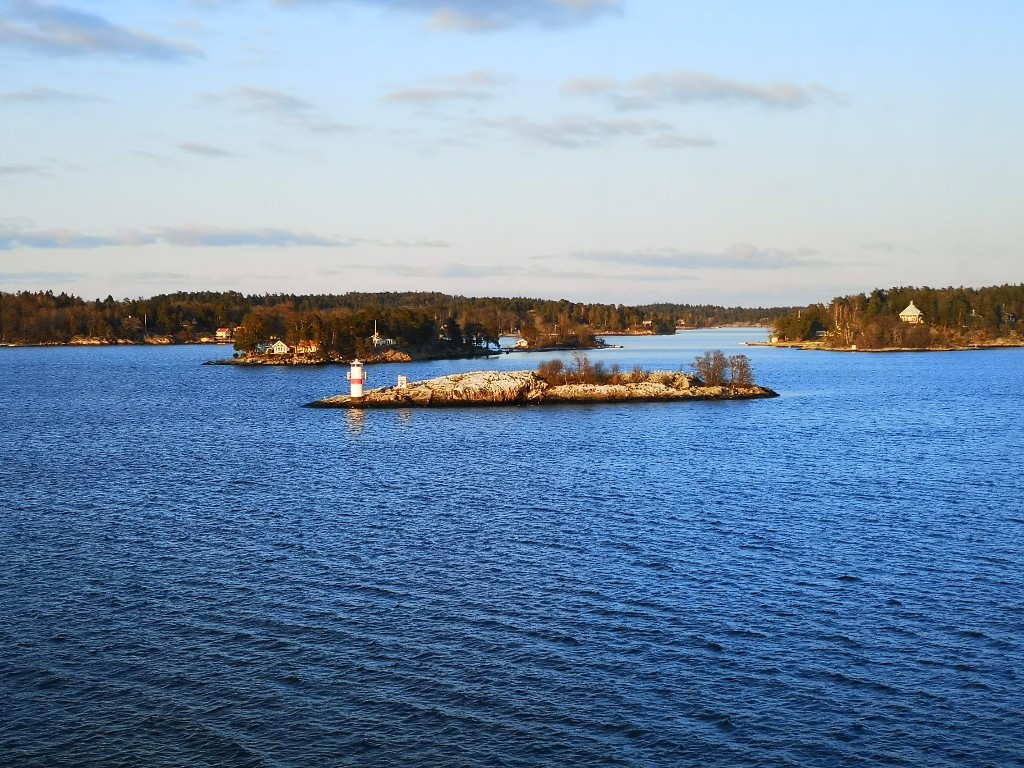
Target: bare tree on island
x=711 y=367
x=741 y=374
x=716 y=369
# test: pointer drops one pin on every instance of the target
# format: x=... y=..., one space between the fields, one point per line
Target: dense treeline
x=709 y=315
x=951 y=317
x=340 y=322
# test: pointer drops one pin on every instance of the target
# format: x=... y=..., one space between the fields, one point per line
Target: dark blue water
x=196 y=571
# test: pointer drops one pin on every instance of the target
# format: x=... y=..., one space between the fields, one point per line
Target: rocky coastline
x=1002 y=343
x=494 y=388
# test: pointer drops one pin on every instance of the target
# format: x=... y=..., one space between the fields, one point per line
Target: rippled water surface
x=194 y=570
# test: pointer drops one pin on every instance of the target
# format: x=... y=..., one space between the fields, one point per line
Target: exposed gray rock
x=526 y=387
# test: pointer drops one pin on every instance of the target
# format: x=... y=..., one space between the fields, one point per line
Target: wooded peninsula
x=909 y=318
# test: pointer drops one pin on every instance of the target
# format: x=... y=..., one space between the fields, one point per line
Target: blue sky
x=596 y=150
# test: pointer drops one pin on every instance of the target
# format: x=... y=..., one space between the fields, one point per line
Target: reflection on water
x=356 y=418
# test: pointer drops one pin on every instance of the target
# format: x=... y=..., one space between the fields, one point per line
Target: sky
x=623 y=151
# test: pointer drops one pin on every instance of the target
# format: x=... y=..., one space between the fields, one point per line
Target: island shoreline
x=819 y=347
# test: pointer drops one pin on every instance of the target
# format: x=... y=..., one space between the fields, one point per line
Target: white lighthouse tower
x=355 y=379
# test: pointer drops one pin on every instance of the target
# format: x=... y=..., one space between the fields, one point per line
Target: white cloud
x=44 y=278
x=13 y=236
x=279 y=105
x=255 y=99
x=61 y=238
x=578 y=131
x=45 y=96
x=60 y=31
x=741 y=256
x=219 y=237
x=21 y=170
x=473 y=86
x=204 y=150
x=683 y=87
x=487 y=15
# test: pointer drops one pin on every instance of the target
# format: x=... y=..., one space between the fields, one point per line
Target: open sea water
x=194 y=570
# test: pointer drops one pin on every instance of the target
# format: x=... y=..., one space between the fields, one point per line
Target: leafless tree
x=740 y=372
x=712 y=367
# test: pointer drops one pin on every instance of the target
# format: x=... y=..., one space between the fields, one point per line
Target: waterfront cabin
x=912 y=314
x=307 y=347
x=379 y=341
x=223 y=334
x=274 y=348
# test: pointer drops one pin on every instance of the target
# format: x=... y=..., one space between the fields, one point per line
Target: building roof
x=911 y=310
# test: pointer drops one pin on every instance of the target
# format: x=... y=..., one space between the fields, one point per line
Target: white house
x=380 y=341
x=912 y=314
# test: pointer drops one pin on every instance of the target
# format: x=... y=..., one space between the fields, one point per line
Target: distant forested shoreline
x=344 y=324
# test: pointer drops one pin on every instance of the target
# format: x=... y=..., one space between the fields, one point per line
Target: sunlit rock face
x=527 y=388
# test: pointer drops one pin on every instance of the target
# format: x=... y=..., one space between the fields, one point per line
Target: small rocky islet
x=495 y=388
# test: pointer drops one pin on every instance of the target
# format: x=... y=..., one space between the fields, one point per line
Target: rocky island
x=492 y=388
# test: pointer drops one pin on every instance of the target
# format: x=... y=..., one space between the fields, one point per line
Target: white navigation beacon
x=355 y=379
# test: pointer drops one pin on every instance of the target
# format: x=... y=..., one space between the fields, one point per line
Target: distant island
x=908 y=319
x=725 y=378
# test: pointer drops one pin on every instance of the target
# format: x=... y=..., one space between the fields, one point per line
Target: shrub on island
x=713 y=369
